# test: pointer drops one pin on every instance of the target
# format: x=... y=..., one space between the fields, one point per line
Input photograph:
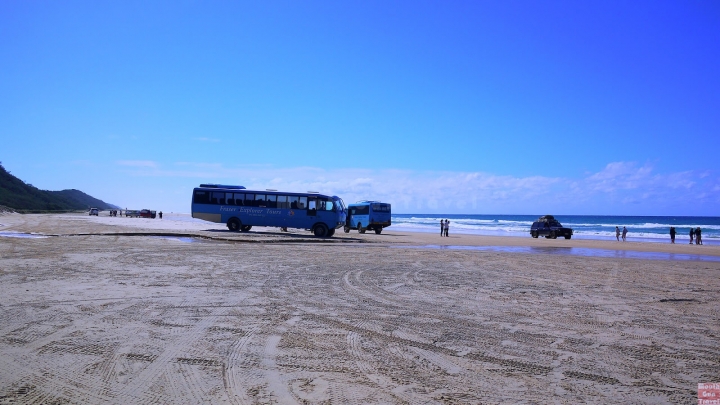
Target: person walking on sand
x=442 y=227
x=672 y=234
x=447 y=228
x=617 y=233
x=698 y=236
x=692 y=234
x=160 y=213
x=624 y=233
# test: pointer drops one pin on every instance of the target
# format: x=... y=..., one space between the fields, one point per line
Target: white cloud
x=618 y=184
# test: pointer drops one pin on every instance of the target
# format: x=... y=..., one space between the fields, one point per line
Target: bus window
x=282 y=201
x=271 y=201
x=293 y=202
x=325 y=205
x=362 y=210
x=260 y=200
x=201 y=197
x=249 y=200
x=239 y=199
x=302 y=203
x=229 y=200
x=217 y=198
x=312 y=204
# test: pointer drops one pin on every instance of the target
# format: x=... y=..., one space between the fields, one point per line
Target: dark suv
x=147 y=214
x=550 y=228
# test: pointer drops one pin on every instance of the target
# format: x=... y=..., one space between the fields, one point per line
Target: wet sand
x=129 y=310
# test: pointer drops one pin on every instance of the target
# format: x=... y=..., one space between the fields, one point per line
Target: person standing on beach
x=672 y=234
x=447 y=228
x=698 y=236
x=692 y=234
x=617 y=233
x=442 y=227
x=624 y=233
x=160 y=213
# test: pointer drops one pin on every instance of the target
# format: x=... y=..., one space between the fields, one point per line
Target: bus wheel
x=378 y=231
x=320 y=230
x=346 y=229
x=360 y=228
x=233 y=224
x=246 y=228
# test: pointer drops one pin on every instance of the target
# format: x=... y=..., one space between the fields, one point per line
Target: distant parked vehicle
x=550 y=228
x=93 y=211
x=132 y=213
x=364 y=215
x=145 y=213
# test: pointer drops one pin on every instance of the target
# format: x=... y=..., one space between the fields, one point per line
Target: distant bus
x=364 y=215
x=241 y=209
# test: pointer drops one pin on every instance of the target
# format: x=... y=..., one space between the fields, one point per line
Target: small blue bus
x=241 y=209
x=364 y=215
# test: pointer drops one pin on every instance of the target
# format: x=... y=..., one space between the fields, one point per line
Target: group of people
x=624 y=233
x=114 y=213
x=695 y=233
x=444 y=227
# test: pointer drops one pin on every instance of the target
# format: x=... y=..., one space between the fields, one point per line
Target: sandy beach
x=135 y=311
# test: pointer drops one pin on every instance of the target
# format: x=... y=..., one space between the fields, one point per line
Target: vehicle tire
x=534 y=234
x=320 y=230
x=378 y=231
x=568 y=236
x=552 y=235
x=330 y=233
x=360 y=228
x=346 y=229
x=245 y=228
x=234 y=224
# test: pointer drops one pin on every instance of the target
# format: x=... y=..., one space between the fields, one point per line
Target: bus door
x=312 y=206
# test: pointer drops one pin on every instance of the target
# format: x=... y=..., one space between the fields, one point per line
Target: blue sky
x=488 y=107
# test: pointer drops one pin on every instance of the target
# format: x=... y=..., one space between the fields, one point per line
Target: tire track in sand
x=140 y=384
x=233 y=372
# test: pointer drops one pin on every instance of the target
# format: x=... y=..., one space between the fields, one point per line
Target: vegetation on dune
x=22 y=197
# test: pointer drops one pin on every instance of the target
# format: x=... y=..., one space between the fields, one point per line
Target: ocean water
x=640 y=228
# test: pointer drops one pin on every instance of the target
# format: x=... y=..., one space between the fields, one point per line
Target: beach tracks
x=153 y=321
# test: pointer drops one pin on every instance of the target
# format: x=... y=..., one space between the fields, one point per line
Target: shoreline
x=182 y=224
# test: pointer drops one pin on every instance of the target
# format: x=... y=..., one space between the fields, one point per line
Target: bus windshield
x=339 y=204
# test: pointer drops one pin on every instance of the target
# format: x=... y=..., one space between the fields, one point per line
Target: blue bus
x=364 y=215
x=241 y=209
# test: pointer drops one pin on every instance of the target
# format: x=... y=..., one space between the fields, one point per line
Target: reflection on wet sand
x=575 y=251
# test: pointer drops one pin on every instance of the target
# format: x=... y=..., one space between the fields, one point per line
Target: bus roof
x=266 y=191
x=366 y=202
x=222 y=186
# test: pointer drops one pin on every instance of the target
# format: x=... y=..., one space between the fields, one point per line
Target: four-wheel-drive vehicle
x=550 y=228
x=93 y=211
x=364 y=215
x=145 y=213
